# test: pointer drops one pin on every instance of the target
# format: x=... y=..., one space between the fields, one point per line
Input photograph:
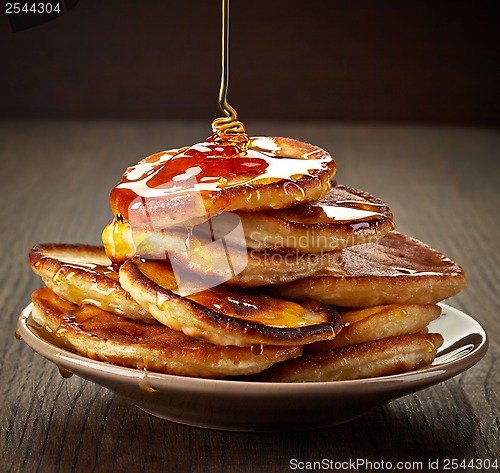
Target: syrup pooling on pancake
x=343 y=211
x=245 y=305
x=341 y=205
x=225 y=315
x=109 y=271
x=209 y=168
x=343 y=218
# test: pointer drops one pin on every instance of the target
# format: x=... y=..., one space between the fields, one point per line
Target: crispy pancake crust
x=382 y=357
x=224 y=315
x=307 y=228
x=255 y=195
x=107 y=337
x=82 y=274
x=395 y=270
x=374 y=323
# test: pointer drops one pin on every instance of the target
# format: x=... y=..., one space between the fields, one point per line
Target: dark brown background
x=55 y=188
x=425 y=61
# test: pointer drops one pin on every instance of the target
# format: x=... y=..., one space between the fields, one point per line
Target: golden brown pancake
x=374 y=323
x=344 y=217
x=264 y=267
x=382 y=357
x=395 y=270
x=239 y=267
x=82 y=274
x=225 y=315
x=222 y=262
x=187 y=186
x=103 y=336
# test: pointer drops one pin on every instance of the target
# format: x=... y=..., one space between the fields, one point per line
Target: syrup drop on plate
x=65 y=372
x=144 y=384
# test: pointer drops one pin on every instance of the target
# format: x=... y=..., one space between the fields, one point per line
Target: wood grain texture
x=442 y=184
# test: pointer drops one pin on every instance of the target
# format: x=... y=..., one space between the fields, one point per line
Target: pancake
x=225 y=315
x=265 y=268
x=343 y=218
x=193 y=251
x=190 y=185
x=103 y=336
x=382 y=357
x=395 y=270
x=374 y=323
x=82 y=274
x=223 y=263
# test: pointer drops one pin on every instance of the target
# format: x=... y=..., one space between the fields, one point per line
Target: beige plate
x=254 y=407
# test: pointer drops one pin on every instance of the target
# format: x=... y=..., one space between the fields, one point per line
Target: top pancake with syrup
x=189 y=185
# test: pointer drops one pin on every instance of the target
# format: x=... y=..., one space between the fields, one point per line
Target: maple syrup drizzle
x=108 y=271
x=340 y=212
x=228 y=158
x=253 y=307
x=144 y=384
x=228 y=128
x=208 y=167
x=64 y=372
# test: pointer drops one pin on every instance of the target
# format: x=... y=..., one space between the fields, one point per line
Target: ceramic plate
x=251 y=406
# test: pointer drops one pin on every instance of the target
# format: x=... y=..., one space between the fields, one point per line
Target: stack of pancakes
x=269 y=273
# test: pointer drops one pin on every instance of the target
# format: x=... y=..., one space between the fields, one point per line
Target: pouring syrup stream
x=227 y=128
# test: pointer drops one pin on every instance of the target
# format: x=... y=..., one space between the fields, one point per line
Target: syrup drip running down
x=144 y=384
x=228 y=128
x=198 y=179
x=65 y=372
x=341 y=212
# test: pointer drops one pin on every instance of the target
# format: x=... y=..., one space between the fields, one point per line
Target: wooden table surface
x=443 y=187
